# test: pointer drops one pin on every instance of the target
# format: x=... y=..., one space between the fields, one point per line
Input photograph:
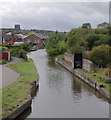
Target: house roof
x=38 y=35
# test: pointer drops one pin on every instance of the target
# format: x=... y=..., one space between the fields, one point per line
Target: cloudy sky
x=61 y=16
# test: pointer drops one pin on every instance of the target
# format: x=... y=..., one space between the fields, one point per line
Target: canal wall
x=91 y=82
x=87 y=64
x=24 y=104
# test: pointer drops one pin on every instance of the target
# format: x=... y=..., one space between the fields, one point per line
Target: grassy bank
x=17 y=92
x=96 y=76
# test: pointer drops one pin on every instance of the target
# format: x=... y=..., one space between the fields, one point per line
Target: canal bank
x=18 y=96
x=91 y=82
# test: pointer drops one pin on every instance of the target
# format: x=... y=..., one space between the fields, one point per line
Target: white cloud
x=53 y=15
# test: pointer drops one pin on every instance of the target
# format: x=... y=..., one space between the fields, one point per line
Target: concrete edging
x=92 y=83
x=25 y=104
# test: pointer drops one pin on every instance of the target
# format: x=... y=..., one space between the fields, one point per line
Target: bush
x=53 y=52
x=103 y=39
x=100 y=55
x=76 y=49
x=20 y=53
x=3 y=48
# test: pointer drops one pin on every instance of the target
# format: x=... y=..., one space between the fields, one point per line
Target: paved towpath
x=8 y=76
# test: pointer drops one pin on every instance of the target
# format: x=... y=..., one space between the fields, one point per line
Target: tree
x=100 y=55
x=55 y=44
x=103 y=25
x=91 y=38
x=86 y=25
x=101 y=30
x=71 y=41
x=102 y=39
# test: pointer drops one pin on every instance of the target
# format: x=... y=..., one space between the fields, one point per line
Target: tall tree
x=86 y=25
x=103 y=25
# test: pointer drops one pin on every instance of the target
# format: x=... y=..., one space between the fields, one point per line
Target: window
x=37 y=40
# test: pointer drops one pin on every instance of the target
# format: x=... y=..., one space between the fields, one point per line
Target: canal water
x=62 y=95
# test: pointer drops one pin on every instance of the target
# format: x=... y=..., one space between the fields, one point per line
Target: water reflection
x=55 y=77
x=62 y=95
x=76 y=88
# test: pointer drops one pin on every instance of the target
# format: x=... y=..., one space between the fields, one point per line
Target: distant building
x=17 y=27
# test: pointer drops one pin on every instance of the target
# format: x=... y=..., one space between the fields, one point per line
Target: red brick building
x=10 y=39
x=33 y=38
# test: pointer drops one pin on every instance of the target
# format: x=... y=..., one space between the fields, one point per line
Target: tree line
x=94 y=43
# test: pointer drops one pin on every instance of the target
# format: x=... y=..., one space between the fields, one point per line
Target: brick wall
x=87 y=65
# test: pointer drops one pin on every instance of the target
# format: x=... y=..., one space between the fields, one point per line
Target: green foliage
x=62 y=47
x=103 y=25
x=91 y=38
x=86 y=25
x=20 y=50
x=103 y=39
x=30 y=33
x=101 y=31
x=76 y=49
x=3 y=48
x=100 y=55
x=73 y=40
x=55 y=44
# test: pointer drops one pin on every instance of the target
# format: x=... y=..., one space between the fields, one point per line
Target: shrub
x=100 y=55
x=3 y=48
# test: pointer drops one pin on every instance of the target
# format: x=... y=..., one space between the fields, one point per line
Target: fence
x=5 y=55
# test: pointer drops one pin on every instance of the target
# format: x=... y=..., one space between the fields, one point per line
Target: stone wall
x=91 y=82
x=68 y=57
x=87 y=65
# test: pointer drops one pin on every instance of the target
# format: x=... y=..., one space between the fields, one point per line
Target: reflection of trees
x=55 y=74
x=76 y=84
x=53 y=65
x=76 y=87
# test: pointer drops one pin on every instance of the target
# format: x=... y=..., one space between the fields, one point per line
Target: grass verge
x=96 y=76
x=17 y=92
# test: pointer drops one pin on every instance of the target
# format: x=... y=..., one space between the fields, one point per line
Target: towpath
x=8 y=76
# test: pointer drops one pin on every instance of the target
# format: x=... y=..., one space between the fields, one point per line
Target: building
x=10 y=38
x=34 y=39
x=17 y=27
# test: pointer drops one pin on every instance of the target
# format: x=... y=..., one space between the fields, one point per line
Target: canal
x=62 y=95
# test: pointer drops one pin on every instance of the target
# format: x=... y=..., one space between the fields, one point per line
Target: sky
x=50 y=15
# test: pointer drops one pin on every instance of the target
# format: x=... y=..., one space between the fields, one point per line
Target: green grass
x=17 y=92
x=99 y=73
